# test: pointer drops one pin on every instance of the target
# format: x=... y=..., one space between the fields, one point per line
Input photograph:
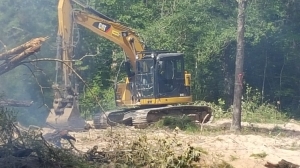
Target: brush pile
x=28 y=147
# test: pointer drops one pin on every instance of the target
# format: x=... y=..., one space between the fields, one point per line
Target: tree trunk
x=238 y=85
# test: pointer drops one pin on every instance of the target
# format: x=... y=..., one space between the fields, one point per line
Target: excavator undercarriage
x=142 y=117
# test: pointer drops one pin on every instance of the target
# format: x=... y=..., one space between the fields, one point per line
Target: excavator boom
x=123 y=36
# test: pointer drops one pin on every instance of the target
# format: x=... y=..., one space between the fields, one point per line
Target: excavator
x=156 y=85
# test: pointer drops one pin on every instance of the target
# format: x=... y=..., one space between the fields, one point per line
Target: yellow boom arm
x=100 y=24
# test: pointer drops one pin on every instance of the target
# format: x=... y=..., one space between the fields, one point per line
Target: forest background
x=205 y=30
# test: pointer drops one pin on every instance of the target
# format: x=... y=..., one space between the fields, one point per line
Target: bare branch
x=87 y=56
x=18 y=28
x=4 y=46
x=72 y=69
x=41 y=87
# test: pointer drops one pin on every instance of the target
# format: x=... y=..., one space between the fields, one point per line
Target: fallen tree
x=13 y=57
x=15 y=103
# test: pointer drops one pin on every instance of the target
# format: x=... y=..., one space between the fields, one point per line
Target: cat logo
x=102 y=26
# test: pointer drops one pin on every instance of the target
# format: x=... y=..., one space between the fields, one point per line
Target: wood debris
x=15 y=103
x=56 y=137
x=282 y=164
x=12 y=58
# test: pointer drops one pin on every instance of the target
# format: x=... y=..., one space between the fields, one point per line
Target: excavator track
x=110 y=118
x=141 y=118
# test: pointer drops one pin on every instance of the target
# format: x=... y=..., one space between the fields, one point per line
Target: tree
x=238 y=88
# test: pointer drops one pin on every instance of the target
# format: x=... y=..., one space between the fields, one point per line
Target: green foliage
x=259 y=155
x=253 y=109
x=109 y=99
x=94 y=100
x=183 y=123
x=152 y=152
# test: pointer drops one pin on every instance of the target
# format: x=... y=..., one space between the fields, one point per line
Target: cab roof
x=163 y=55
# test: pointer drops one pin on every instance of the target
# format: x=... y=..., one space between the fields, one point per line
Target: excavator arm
x=65 y=105
x=65 y=38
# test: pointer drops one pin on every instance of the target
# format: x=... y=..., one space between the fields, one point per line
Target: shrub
x=183 y=123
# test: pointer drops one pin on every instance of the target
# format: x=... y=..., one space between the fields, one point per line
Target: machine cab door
x=144 y=78
x=170 y=76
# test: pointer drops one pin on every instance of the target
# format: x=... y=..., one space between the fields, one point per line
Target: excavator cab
x=161 y=76
x=170 y=76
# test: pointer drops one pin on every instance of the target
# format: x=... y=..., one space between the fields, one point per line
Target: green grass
x=259 y=155
x=252 y=112
x=183 y=123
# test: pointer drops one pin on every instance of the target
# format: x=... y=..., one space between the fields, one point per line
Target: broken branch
x=15 y=103
x=14 y=56
x=21 y=48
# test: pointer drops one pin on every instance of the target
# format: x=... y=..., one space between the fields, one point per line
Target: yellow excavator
x=156 y=84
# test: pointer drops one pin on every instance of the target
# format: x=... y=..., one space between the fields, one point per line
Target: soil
x=239 y=150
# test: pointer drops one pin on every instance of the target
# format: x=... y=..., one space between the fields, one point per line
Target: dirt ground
x=280 y=143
